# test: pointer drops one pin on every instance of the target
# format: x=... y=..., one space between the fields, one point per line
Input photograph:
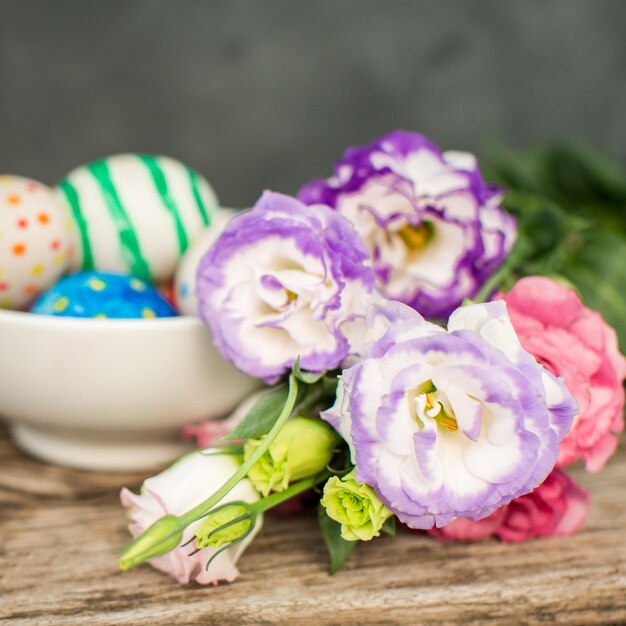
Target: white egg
x=36 y=237
x=185 y=281
x=136 y=213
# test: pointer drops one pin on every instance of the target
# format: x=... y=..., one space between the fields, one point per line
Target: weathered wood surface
x=59 y=528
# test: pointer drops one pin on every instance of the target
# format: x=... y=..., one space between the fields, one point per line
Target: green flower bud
x=164 y=535
x=301 y=449
x=355 y=506
x=219 y=526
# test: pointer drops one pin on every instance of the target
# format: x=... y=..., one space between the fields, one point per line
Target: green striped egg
x=136 y=213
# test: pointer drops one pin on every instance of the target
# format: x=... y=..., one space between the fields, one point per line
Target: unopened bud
x=164 y=535
x=301 y=449
x=225 y=524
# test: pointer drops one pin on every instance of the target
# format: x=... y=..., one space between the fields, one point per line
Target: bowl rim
x=25 y=318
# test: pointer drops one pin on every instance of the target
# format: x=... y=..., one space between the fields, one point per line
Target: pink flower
x=209 y=432
x=179 y=488
x=576 y=344
x=465 y=530
x=557 y=508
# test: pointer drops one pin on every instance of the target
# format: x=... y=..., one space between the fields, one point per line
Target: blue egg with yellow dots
x=103 y=295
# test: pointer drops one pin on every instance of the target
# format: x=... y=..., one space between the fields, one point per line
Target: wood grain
x=59 y=529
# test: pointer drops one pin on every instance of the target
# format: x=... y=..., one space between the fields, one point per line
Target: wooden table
x=59 y=528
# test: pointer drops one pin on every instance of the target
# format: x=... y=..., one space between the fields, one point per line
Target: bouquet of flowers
x=414 y=376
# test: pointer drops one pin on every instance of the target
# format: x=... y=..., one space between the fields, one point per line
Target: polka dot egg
x=35 y=240
x=136 y=213
x=103 y=295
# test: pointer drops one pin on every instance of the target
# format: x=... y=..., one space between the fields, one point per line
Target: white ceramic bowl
x=110 y=394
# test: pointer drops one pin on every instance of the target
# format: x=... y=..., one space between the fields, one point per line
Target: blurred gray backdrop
x=265 y=94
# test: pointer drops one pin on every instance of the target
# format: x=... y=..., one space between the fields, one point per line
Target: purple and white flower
x=433 y=227
x=286 y=280
x=445 y=424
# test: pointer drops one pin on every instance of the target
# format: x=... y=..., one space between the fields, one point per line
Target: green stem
x=490 y=285
x=499 y=277
x=293 y=490
x=204 y=507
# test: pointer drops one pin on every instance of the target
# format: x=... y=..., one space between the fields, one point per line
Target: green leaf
x=339 y=549
x=543 y=225
x=306 y=377
x=570 y=204
x=552 y=243
x=317 y=397
x=519 y=171
x=578 y=174
x=584 y=181
x=597 y=267
x=389 y=527
x=262 y=416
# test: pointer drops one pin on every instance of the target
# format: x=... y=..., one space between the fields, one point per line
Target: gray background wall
x=265 y=94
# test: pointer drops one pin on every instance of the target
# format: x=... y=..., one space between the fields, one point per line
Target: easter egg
x=103 y=295
x=136 y=213
x=35 y=240
x=185 y=281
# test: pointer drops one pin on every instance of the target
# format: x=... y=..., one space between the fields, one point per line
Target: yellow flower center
x=442 y=417
x=416 y=237
x=433 y=407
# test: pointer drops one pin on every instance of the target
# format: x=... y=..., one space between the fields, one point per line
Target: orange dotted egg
x=33 y=240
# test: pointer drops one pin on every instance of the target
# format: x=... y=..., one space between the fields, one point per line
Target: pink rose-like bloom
x=174 y=491
x=574 y=343
x=557 y=508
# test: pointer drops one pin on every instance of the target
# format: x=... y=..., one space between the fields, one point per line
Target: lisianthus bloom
x=355 y=506
x=557 y=508
x=285 y=280
x=575 y=343
x=446 y=424
x=434 y=229
x=173 y=492
x=303 y=448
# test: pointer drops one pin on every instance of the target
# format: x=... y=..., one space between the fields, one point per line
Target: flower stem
x=491 y=285
x=499 y=277
x=204 y=507
x=293 y=490
x=150 y=547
